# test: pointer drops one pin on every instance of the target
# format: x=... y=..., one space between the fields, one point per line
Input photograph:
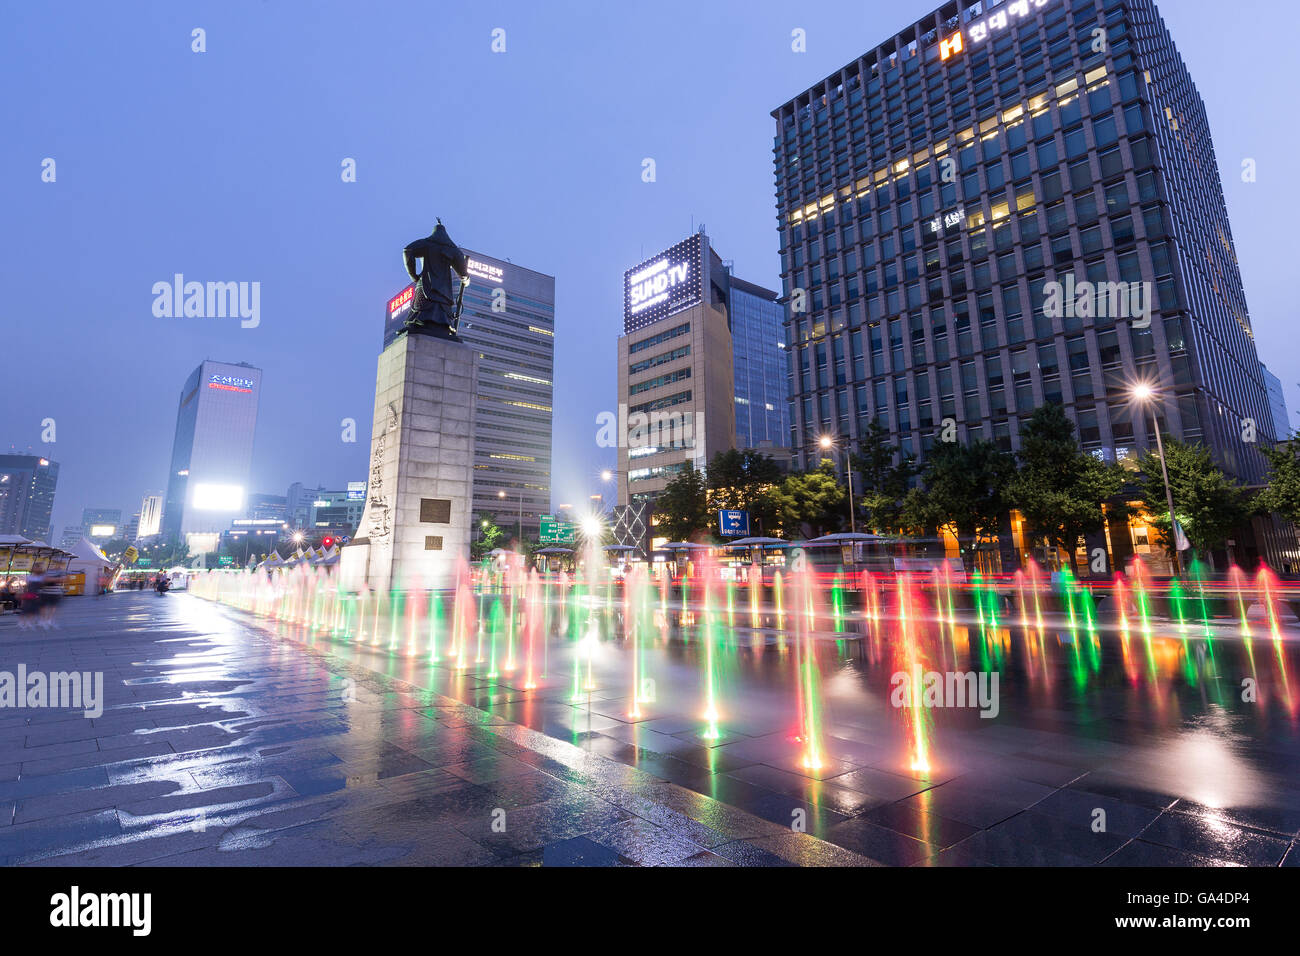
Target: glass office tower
x=212 y=451
x=1008 y=204
x=27 y=484
x=758 y=357
x=509 y=319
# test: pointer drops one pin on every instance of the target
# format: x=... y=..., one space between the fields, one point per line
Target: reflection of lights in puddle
x=1203 y=763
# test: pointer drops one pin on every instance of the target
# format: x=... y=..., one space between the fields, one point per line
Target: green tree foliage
x=963 y=489
x=1208 y=503
x=1059 y=488
x=489 y=537
x=884 y=474
x=1282 y=494
x=745 y=481
x=812 y=502
x=682 y=508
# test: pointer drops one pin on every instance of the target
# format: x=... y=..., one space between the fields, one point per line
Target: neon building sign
x=981 y=30
x=228 y=383
x=485 y=270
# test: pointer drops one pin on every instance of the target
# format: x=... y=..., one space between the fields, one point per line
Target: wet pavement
x=231 y=739
x=220 y=744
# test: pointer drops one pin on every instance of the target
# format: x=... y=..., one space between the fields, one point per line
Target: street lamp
x=1144 y=394
x=827 y=444
x=502 y=494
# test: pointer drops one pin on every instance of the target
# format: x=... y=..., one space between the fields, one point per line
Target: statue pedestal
x=416 y=530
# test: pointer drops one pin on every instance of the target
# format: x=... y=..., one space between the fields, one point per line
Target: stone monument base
x=415 y=530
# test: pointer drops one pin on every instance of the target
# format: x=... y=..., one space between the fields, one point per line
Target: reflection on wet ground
x=685 y=741
x=223 y=744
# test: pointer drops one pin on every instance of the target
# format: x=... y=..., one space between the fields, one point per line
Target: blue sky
x=225 y=166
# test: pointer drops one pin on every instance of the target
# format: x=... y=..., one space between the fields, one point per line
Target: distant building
x=151 y=510
x=27 y=485
x=267 y=506
x=298 y=504
x=1276 y=404
x=71 y=537
x=212 y=451
x=102 y=525
x=336 y=513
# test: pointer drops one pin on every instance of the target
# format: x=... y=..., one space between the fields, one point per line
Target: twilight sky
x=225 y=166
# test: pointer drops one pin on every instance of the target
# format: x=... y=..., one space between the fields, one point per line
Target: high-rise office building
x=701 y=367
x=758 y=357
x=509 y=319
x=151 y=510
x=1008 y=204
x=1277 y=404
x=27 y=484
x=212 y=452
x=676 y=380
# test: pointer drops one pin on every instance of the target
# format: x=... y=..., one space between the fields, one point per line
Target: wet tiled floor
x=220 y=744
x=229 y=740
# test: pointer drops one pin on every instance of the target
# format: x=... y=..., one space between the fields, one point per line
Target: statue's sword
x=460 y=299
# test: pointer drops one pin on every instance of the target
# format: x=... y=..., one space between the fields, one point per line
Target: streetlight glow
x=825 y=441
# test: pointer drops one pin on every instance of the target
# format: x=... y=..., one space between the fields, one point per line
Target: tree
x=489 y=535
x=1208 y=503
x=682 y=508
x=744 y=480
x=963 y=490
x=885 y=474
x=814 y=499
x=1059 y=488
x=1282 y=493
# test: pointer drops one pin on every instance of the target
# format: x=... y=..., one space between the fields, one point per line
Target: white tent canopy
x=87 y=559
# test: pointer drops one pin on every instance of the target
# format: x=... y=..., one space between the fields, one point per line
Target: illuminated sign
x=663 y=285
x=948 y=220
x=229 y=383
x=401 y=303
x=485 y=270
x=397 y=312
x=981 y=30
x=102 y=530
x=208 y=497
x=256 y=522
x=356 y=491
x=733 y=524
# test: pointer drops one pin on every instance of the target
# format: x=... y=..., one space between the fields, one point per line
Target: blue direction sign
x=733 y=524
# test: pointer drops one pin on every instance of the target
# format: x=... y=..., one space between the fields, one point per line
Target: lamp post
x=1143 y=394
x=502 y=494
x=827 y=444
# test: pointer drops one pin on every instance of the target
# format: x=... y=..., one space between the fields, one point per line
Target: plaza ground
x=230 y=740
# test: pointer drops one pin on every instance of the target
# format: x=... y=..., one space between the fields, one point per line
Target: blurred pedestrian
x=50 y=593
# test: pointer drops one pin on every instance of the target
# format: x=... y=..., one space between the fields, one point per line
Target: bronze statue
x=433 y=308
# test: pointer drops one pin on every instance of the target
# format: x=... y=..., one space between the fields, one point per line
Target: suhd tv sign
x=662 y=285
